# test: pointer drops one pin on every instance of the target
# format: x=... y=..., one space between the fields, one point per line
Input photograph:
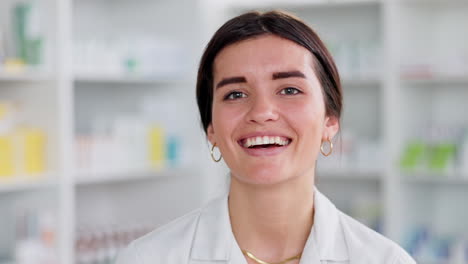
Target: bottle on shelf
x=434 y=152
x=28 y=31
x=98 y=244
x=35 y=238
x=134 y=55
x=463 y=154
x=357 y=59
x=7 y=163
x=145 y=141
x=428 y=246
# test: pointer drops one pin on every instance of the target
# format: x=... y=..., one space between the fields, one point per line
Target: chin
x=262 y=176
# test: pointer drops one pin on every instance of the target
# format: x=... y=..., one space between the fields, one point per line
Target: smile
x=265 y=142
x=264 y=145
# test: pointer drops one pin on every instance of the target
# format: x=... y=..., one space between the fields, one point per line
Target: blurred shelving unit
x=433 y=80
x=151 y=86
x=29 y=190
x=116 y=63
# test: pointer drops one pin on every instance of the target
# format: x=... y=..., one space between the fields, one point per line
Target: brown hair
x=278 y=23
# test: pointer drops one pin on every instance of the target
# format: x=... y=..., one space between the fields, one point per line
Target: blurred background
x=100 y=140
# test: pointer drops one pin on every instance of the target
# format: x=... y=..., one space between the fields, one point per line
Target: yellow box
x=157 y=149
x=34 y=157
x=7 y=163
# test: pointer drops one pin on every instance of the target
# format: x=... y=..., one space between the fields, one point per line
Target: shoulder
x=367 y=246
x=169 y=243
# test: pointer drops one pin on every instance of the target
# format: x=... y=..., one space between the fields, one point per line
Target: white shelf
x=89 y=179
x=350 y=174
x=436 y=179
x=128 y=79
x=370 y=82
x=437 y=80
x=25 y=76
x=303 y=4
x=435 y=2
x=26 y=183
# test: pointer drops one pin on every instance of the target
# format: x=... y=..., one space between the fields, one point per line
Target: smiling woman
x=270 y=98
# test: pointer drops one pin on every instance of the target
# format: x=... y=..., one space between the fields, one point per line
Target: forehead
x=266 y=53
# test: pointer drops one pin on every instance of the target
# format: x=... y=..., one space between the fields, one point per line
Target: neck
x=272 y=222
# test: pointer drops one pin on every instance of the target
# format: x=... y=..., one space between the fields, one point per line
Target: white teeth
x=277 y=140
x=265 y=140
x=258 y=141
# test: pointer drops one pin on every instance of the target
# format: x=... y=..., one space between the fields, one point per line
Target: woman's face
x=268 y=116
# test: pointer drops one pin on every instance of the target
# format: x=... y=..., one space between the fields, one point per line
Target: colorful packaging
x=157 y=147
x=32 y=148
x=6 y=156
x=7 y=167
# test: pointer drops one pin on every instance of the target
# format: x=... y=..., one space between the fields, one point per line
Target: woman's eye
x=290 y=90
x=235 y=95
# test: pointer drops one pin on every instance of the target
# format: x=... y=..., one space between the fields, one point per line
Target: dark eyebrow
x=229 y=80
x=289 y=74
x=276 y=75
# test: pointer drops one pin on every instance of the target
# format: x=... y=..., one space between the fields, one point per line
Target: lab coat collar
x=213 y=236
x=214 y=240
x=327 y=237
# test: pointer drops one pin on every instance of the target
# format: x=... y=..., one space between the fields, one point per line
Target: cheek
x=225 y=119
x=306 y=114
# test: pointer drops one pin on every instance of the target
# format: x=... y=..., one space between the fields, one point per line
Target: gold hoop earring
x=331 y=148
x=212 y=154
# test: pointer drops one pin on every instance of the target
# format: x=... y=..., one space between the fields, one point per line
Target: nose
x=262 y=109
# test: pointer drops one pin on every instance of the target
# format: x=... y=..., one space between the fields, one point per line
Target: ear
x=210 y=134
x=331 y=127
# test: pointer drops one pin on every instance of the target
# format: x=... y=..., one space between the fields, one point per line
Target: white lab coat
x=205 y=236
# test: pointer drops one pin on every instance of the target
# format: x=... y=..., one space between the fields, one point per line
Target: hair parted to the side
x=278 y=23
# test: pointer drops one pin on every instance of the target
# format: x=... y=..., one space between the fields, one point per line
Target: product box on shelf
x=22 y=147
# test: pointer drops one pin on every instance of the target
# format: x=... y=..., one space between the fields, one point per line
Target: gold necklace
x=251 y=256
